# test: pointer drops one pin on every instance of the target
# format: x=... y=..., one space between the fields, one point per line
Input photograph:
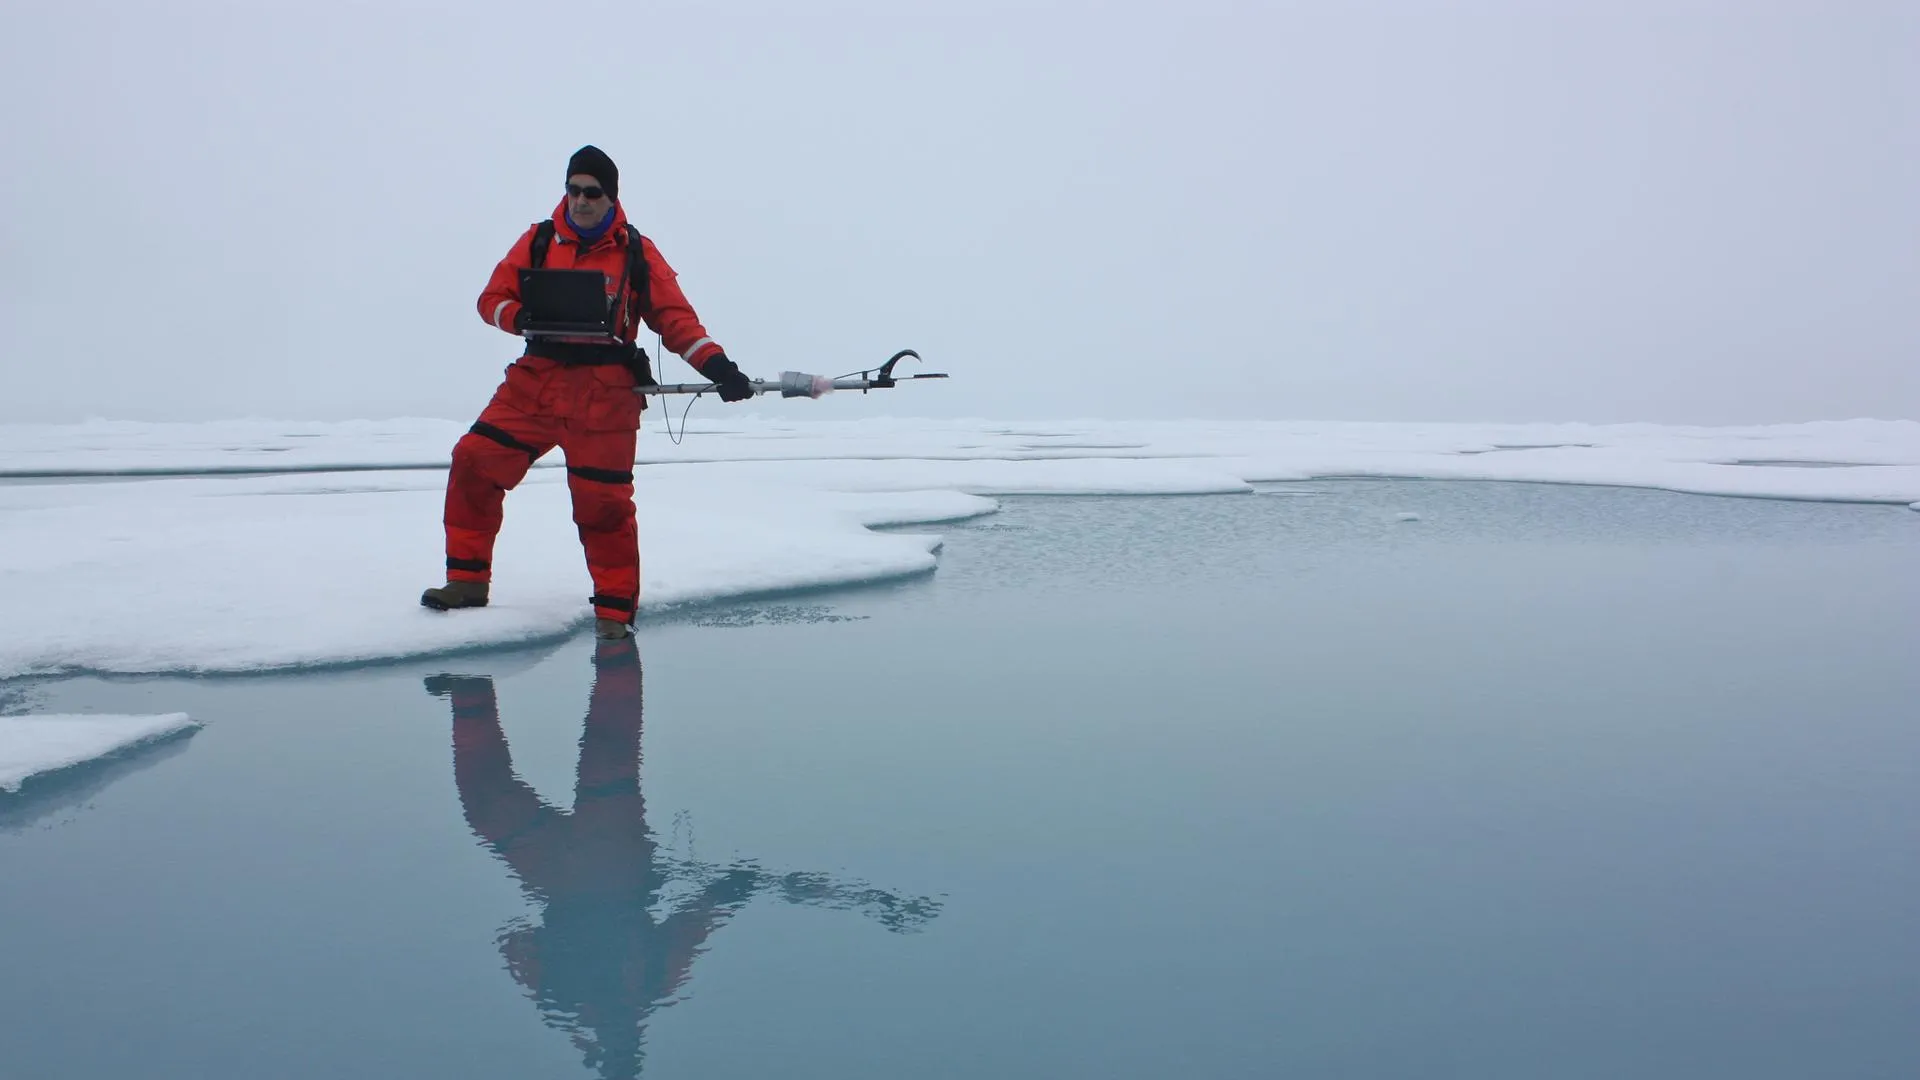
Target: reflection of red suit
x=598 y=963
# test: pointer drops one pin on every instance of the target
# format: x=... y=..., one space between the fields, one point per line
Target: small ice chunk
x=30 y=745
x=1406 y=516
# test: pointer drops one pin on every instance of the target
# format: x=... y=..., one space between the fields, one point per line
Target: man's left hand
x=727 y=378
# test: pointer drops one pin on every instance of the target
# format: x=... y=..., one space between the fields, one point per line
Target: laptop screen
x=573 y=300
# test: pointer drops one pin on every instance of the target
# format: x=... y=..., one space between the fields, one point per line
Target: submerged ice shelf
x=34 y=745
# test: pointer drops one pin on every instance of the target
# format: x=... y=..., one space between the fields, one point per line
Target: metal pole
x=790 y=384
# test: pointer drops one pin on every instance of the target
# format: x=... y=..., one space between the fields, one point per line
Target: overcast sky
x=1567 y=210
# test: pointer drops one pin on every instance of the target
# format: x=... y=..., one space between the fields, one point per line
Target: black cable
x=659 y=349
x=683 y=418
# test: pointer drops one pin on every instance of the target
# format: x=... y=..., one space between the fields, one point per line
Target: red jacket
x=671 y=316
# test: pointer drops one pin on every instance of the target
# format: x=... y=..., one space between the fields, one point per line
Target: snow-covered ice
x=254 y=545
x=31 y=745
x=252 y=573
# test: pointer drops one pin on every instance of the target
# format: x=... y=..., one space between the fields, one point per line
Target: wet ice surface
x=1557 y=781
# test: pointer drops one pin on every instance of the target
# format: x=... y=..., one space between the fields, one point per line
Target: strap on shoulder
x=639 y=282
x=542 y=239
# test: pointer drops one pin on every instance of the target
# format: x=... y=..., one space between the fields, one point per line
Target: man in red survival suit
x=574 y=391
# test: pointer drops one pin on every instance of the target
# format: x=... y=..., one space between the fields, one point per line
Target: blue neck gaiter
x=588 y=236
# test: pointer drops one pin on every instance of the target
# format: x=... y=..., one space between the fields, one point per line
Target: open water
x=1549 y=782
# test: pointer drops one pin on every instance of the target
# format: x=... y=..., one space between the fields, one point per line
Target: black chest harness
x=634 y=284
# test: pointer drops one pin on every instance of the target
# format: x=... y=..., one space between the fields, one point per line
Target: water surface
x=1549 y=782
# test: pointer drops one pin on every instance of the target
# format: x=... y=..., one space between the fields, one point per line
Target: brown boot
x=609 y=630
x=455 y=594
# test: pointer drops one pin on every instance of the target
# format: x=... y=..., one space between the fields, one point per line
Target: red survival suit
x=579 y=398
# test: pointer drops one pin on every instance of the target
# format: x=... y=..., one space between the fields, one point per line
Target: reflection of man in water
x=598 y=963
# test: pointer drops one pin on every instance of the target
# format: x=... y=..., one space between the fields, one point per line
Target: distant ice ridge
x=320 y=558
x=31 y=745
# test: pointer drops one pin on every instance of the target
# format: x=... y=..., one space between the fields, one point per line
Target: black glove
x=727 y=378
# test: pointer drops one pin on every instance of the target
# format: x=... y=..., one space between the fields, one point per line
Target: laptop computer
x=565 y=302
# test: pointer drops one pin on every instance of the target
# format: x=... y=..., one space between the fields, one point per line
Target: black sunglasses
x=593 y=192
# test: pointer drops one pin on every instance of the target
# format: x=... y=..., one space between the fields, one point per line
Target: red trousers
x=592 y=414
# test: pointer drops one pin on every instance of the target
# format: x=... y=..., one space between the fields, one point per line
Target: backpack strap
x=640 y=288
x=639 y=282
x=542 y=238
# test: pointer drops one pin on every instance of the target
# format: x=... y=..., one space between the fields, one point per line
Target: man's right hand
x=727 y=378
